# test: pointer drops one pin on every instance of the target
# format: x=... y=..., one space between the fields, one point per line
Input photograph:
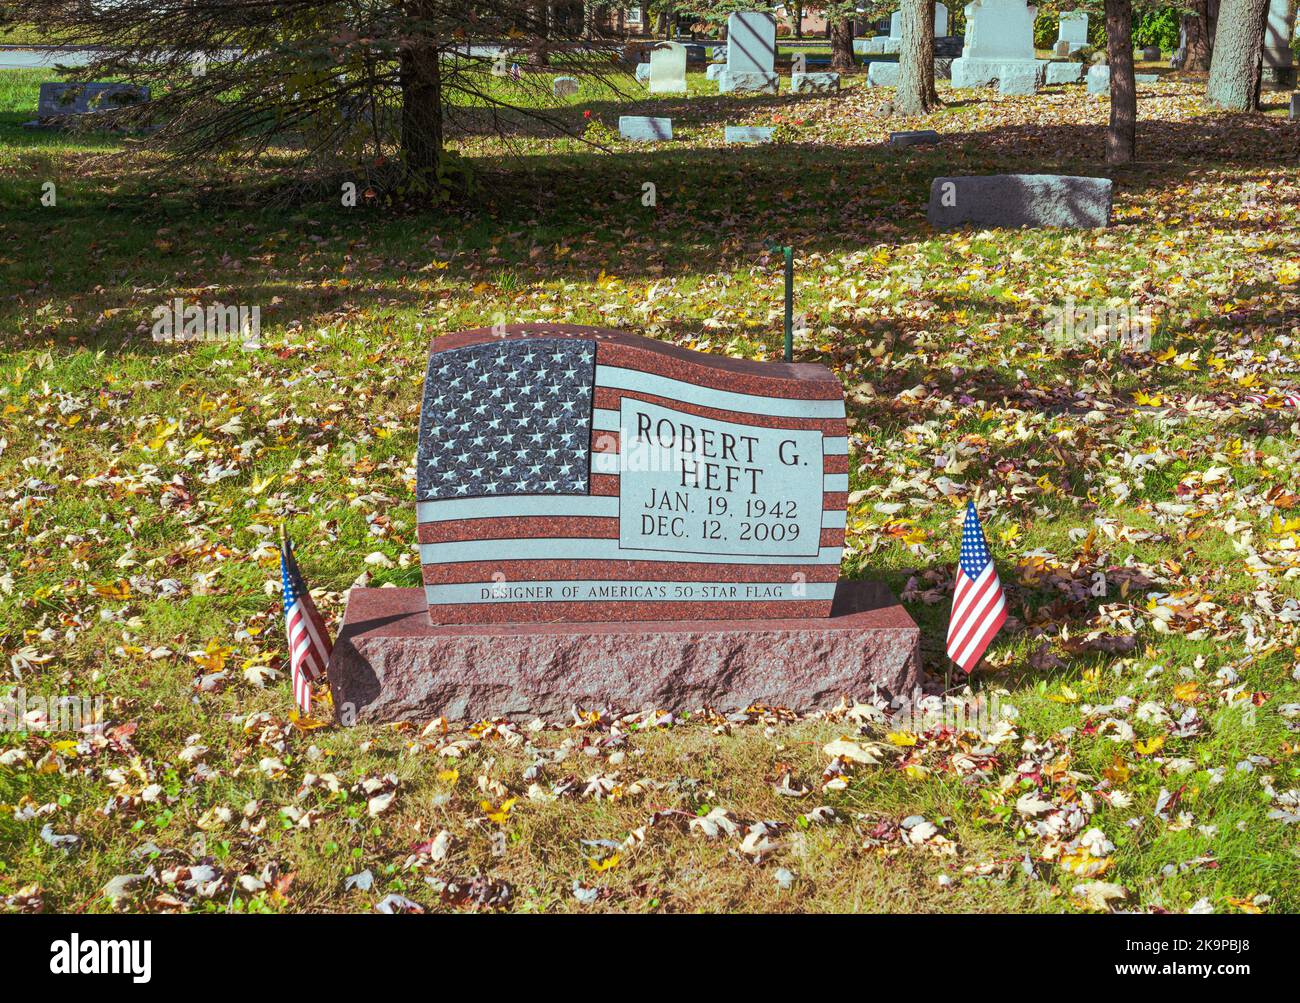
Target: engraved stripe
x=835 y=482
x=505 y=506
x=741 y=404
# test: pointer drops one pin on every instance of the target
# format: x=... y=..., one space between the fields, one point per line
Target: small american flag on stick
x=309 y=641
x=979 y=607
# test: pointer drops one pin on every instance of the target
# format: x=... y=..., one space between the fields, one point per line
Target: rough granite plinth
x=814 y=83
x=1064 y=73
x=731 y=81
x=390 y=663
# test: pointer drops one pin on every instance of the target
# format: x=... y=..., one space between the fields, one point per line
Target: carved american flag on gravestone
x=575 y=473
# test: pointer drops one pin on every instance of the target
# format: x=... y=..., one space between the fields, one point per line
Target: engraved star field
x=507 y=419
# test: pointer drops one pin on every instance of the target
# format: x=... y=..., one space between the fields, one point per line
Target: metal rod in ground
x=789 y=303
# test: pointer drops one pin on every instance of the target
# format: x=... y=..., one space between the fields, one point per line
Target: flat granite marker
x=747 y=134
x=644 y=129
x=613 y=521
x=917 y=137
x=1016 y=200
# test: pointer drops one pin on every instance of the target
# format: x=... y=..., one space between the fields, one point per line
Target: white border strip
x=640 y=591
x=585 y=549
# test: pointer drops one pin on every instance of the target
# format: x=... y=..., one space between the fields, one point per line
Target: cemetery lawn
x=1143 y=512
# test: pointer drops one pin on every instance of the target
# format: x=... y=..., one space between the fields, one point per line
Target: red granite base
x=390 y=663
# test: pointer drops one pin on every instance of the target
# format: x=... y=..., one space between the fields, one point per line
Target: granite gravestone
x=609 y=520
x=668 y=69
x=58 y=100
x=751 y=53
x=565 y=87
x=1019 y=200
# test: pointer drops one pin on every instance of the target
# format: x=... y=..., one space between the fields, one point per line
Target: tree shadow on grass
x=717 y=209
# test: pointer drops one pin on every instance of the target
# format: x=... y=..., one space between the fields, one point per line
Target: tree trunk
x=912 y=97
x=1199 y=37
x=421 y=139
x=540 y=54
x=1235 y=65
x=1121 y=135
x=842 y=45
x=797 y=9
x=927 y=57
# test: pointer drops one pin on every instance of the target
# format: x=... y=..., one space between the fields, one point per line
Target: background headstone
x=1099 y=79
x=565 y=87
x=751 y=53
x=642 y=128
x=747 y=134
x=56 y=100
x=998 y=33
x=668 y=69
x=918 y=137
x=1020 y=78
x=1073 y=30
x=940 y=22
x=1015 y=200
x=882 y=74
x=1279 y=61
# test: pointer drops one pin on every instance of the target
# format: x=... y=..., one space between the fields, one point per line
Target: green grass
x=114 y=454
